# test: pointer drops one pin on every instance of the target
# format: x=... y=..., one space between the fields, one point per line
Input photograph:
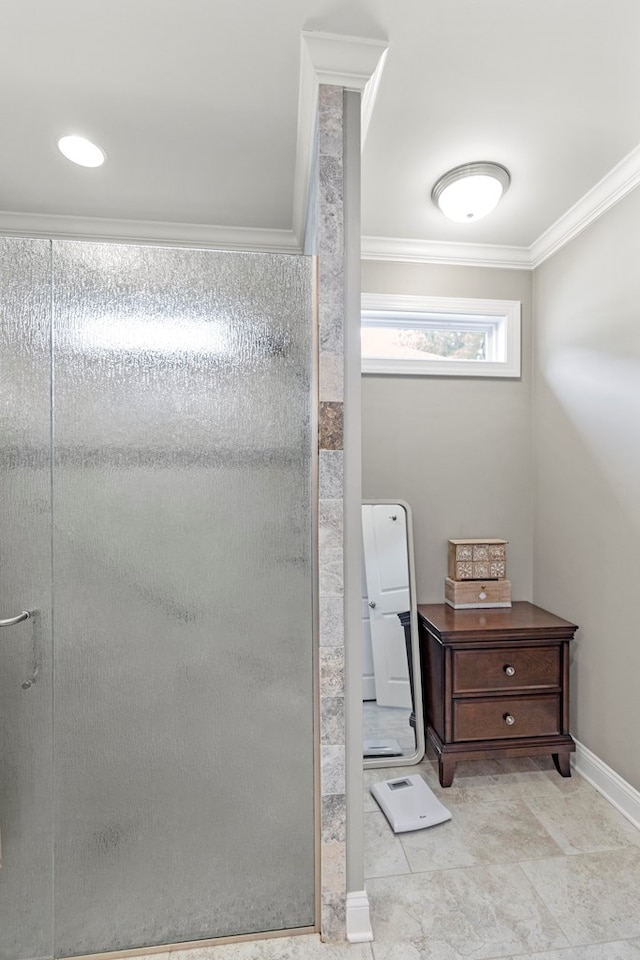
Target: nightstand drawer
x=510 y=668
x=506 y=717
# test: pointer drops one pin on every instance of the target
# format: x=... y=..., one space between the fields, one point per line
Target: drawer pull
x=510 y=671
x=509 y=719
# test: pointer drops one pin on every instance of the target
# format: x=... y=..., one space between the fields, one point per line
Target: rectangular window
x=429 y=336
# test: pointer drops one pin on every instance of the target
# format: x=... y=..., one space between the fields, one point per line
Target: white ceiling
x=196 y=105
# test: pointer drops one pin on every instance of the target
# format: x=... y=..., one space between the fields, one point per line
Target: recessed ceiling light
x=471 y=191
x=82 y=151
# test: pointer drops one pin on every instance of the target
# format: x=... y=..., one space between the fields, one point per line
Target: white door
x=384 y=534
x=368 y=677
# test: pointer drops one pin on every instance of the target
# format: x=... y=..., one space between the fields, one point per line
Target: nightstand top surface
x=521 y=616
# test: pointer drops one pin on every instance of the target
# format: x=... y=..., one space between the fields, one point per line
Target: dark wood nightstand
x=496 y=684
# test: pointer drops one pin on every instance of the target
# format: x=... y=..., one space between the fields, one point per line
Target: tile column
x=330 y=251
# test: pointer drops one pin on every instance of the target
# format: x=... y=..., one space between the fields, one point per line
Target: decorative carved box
x=477 y=574
x=477 y=559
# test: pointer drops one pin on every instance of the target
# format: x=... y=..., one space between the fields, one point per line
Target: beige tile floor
x=390 y=723
x=531 y=866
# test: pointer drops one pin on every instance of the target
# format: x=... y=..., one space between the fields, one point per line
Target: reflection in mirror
x=391 y=684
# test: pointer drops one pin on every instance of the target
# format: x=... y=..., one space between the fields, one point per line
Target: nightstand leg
x=562 y=763
x=446 y=770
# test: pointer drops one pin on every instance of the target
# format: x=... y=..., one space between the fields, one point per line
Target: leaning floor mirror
x=391 y=679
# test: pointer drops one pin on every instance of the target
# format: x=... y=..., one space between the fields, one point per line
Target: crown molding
x=619 y=182
x=446 y=252
x=369 y=96
x=148 y=231
x=349 y=62
x=613 y=187
x=354 y=63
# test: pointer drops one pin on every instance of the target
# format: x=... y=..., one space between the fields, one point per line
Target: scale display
x=409 y=804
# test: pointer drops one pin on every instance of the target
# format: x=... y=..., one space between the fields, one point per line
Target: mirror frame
x=418 y=754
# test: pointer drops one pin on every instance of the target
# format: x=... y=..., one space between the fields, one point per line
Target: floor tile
x=584 y=822
x=593 y=896
x=500 y=779
x=496 y=832
x=383 y=852
x=620 y=950
x=279 y=948
x=388 y=723
x=473 y=912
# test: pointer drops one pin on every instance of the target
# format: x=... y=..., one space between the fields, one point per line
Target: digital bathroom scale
x=409 y=804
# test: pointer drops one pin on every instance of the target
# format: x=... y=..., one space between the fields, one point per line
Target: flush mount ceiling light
x=471 y=191
x=82 y=151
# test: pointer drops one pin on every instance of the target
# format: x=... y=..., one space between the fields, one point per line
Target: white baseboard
x=358 y=919
x=617 y=791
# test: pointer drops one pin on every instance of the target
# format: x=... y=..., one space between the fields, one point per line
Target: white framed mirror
x=391 y=683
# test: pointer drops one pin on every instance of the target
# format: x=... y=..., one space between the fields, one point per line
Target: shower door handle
x=13 y=620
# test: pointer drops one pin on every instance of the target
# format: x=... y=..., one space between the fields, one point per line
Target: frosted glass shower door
x=182 y=575
x=171 y=756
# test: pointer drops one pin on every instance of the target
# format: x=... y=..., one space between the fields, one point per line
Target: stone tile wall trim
x=330 y=250
x=331 y=425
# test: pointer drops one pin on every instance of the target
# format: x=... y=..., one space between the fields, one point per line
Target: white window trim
x=507 y=311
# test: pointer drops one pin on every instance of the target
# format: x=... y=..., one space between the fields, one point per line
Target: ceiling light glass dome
x=471 y=191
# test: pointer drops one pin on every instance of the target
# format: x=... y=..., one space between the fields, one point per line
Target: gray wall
x=459 y=451
x=587 y=473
